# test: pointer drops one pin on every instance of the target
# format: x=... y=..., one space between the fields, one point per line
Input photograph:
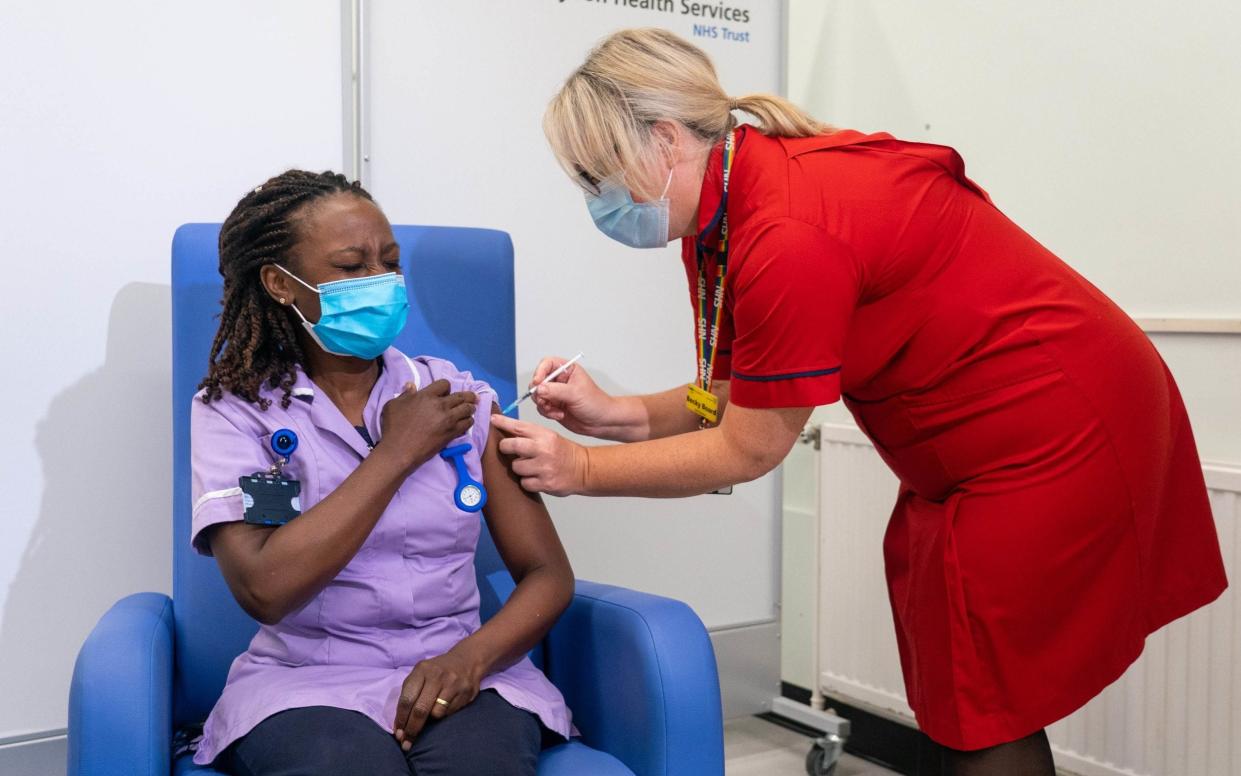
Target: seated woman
x=370 y=658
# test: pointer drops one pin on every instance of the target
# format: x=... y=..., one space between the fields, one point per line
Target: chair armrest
x=639 y=673
x=120 y=701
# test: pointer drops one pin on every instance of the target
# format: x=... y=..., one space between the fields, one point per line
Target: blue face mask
x=358 y=317
x=636 y=224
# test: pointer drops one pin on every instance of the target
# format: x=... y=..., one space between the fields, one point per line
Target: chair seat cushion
x=184 y=766
x=576 y=759
x=571 y=759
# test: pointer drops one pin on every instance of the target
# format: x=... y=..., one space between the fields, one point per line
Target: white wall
x=123 y=120
x=120 y=121
x=457 y=96
x=1111 y=131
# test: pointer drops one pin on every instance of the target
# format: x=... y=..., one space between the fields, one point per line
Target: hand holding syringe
x=554 y=374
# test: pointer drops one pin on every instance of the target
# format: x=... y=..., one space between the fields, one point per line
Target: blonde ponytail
x=599 y=124
x=779 y=117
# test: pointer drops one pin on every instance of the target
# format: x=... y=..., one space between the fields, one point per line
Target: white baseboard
x=748 y=657
x=39 y=754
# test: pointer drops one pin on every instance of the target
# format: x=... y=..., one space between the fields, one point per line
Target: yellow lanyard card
x=703 y=403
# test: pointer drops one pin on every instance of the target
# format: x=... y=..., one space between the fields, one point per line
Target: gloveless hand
x=436 y=688
x=417 y=424
x=545 y=461
x=573 y=399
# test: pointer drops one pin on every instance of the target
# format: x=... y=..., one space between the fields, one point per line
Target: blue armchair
x=637 y=670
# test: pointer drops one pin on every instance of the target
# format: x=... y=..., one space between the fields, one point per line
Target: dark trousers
x=490 y=737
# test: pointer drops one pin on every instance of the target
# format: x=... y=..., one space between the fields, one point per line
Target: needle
x=555 y=373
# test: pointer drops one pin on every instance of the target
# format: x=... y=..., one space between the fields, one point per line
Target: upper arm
x=221 y=452
x=520 y=525
x=763 y=437
x=723 y=391
x=792 y=300
x=236 y=547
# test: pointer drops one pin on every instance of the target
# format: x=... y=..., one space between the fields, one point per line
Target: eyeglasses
x=588 y=181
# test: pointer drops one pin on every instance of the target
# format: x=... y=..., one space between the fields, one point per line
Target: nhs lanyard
x=708 y=340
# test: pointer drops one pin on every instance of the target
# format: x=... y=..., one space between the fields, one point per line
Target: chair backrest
x=460 y=283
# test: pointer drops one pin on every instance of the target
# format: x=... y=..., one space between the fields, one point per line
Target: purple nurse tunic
x=408 y=594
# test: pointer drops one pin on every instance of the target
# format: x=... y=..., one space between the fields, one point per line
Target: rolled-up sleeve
x=482 y=415
x=459 y=380
x=220 y=453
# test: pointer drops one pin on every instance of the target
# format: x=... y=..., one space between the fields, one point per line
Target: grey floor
x=755 y=747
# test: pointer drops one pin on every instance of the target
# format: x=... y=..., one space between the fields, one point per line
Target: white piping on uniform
x=417 y=382
x=213 y=495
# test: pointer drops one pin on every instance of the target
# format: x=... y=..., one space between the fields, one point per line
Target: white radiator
x=1176 y=712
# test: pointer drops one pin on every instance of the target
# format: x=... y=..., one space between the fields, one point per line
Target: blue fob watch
x=470 y=495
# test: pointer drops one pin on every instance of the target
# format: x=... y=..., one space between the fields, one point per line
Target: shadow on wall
x=104 y=528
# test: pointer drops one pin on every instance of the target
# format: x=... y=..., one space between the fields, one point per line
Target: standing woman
x=1052 y=510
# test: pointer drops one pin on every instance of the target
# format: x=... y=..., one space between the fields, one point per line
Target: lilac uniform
x=408 y=594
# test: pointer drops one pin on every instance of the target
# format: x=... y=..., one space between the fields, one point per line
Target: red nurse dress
x=1052 y=510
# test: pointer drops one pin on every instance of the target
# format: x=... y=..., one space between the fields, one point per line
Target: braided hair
x=256 y=343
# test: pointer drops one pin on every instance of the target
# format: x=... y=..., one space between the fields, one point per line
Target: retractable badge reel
x=269 y=497
x=470 y=494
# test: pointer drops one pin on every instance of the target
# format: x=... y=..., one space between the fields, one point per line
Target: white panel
x=457 y=96
x=1208 y=370
x=121 y=121
x=748 y=666
x=1175 y=712
x=1110 y=130
x=797 y=593
x=859 y=656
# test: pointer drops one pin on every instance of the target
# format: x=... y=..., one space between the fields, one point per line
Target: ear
x=278 y=284
x=670 y=135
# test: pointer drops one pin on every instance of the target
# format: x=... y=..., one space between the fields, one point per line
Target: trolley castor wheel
x=823 y=757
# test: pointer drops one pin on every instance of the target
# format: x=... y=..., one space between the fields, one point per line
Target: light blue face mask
x=358 y=317
x=636 y=224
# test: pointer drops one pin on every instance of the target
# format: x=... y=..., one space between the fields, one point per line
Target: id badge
x=270 y=499
x=702 y=403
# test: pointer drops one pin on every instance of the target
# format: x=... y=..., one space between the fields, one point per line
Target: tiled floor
x=755 y=747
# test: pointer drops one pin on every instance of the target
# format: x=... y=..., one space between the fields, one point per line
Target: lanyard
x=708 y=341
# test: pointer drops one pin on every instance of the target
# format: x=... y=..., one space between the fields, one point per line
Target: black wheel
x=817 y=762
